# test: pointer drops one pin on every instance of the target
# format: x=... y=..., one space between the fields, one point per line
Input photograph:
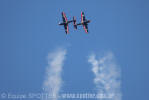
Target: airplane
x=65 y=22
x=84 y=22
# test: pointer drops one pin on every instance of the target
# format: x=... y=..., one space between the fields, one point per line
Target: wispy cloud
x=53 y=80
x=107 y=76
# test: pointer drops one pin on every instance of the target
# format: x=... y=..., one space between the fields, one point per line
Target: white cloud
x=107 y=76
x=53 y=80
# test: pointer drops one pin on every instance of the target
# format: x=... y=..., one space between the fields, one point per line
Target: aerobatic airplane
x=65 y=22
x=84 y=22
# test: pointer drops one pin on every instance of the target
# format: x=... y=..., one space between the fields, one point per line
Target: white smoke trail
x=53 y=81
x=107 y=76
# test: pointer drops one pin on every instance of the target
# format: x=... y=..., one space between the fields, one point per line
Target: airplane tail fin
x=74 y=22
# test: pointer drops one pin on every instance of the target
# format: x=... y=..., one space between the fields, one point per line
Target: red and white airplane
x=65 y=22
x=84 y=22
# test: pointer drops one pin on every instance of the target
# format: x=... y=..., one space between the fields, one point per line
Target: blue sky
x=29 y=30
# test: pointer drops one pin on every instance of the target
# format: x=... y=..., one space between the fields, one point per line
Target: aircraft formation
x=84 y=22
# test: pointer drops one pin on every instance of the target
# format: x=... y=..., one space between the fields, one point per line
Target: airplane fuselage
x=85 y=22
x=63 y=23
x=66 y=23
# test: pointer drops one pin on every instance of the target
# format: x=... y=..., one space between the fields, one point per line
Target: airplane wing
x=85 y=26
x=82 y=17
x=66 y=28
x=64 y=17
x=65 y=21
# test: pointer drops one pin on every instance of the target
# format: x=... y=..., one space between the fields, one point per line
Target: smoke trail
x=107 y=76
x=53 y=81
